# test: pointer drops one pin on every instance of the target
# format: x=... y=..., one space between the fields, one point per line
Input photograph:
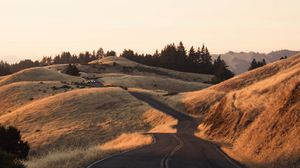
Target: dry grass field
x=126 y=66
x=152 y=83
x=63 y=119
x=17 y=94
x=82 y=118
x=255 y=114
x=38 y=74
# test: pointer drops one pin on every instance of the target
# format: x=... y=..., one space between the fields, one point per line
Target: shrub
x=11 y=142
x=72 y=70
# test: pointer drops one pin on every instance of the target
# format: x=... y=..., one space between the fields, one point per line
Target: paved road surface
x=178 y=150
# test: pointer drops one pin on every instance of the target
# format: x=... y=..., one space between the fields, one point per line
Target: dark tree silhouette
x=176 y=57
x=5 y=68
x=11 y=142
x=72 y=70
x=221 y=70
x=256 y=64
x=285 y=57
x=100 y=53
x=111 y=53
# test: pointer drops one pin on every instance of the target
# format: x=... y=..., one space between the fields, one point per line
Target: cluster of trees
x=6 y=68
x=12 y=148
x=177 y=58
x=256 y=64
x=63 y=58
x=81 y=58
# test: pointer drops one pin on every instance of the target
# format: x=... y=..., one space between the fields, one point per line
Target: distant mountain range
x=239 y=62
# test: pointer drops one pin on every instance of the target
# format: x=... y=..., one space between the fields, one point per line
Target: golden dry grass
x=152 y=83
x=139 y=69
x=127 y=141
x=78 y=158
x=18 y=94
x=256 y=113
x=80 y=116
x=38 y=74
x=66 y=126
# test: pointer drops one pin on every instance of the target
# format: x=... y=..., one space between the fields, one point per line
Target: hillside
x=121 y=72
x=126 y=66
x=151 y=83
x=21 y=93
x=80 y=115
x=64 y=117
x=256 y=114
x=239 y=62
x=38 y=74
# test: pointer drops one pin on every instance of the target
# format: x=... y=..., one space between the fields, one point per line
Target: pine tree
x=100 y=53
x=221 y=70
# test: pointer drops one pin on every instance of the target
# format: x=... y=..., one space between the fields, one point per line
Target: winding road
x=178 y=150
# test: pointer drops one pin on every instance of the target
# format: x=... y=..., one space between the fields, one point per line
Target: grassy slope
x=64 y=124
x=129 y=74
x=38 y=74
x=152 y=83
x=139 y=69
x=257 y=113
x=80 y=116
x=17 y=94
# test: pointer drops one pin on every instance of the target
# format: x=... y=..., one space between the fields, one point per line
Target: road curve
x=178 y=150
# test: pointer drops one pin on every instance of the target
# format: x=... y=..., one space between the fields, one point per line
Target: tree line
x=256 y=64
x=177 y=58
x=63 y=58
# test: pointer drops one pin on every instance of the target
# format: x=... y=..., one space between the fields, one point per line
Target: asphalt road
x=178 y=150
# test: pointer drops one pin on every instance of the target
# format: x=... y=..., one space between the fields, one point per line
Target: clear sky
x=34 y=28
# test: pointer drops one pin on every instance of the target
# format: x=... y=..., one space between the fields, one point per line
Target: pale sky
x=36 y=28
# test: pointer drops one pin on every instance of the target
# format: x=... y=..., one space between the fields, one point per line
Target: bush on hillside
x=72 y=70
x=11 y=142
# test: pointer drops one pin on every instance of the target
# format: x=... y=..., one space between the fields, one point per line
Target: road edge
x=227 y=157
x=121 y=153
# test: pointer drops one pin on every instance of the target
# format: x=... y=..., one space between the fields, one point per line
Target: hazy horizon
x=32 y=29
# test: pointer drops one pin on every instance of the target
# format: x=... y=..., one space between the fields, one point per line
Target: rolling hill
x=255 y=115
x=64 y=117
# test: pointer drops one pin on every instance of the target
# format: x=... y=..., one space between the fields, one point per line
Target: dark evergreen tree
x=11 y=142
x=129 y=54
x=181 y=57
x=5 y=68
x=256 y=64
x=221 y=70
x=111 y=53
x=100 y=53
x=72 y=70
